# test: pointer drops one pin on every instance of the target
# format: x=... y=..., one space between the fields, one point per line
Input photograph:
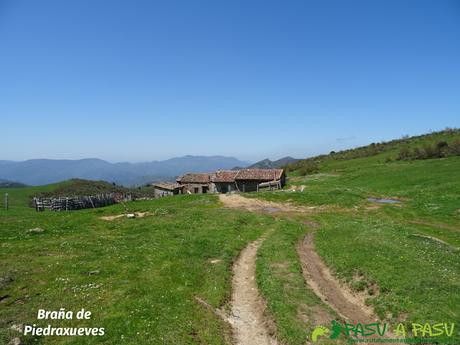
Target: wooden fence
x=272 y=185
x=65 y=203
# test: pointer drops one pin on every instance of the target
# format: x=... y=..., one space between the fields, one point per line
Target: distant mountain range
x=268 y=164
x=45 y=171
x=10 y=184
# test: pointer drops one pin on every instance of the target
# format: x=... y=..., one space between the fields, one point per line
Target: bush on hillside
x=442 y=145
x=404 y=153
x=290 y=167
x=439 y=150
x=400 y=146
x=308 y=168
x=419 y=153
x=430 y=151
x=454 y=148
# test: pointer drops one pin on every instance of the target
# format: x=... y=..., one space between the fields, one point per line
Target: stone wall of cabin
x=159 y=193
x=197 y=188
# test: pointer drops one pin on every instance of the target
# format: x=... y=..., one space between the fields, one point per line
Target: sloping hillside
x=386 y=224
x=440 y=144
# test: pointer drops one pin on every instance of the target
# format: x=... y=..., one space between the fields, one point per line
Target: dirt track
x=319 y=278
x=257 y=205
x=317 y=275
x=247 y=307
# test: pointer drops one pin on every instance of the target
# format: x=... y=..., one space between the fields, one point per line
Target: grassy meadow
x=140 y=277
x=405 y=257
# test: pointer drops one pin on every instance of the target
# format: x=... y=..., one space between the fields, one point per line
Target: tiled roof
x=224 y=176
x=231 y=176
x=166 y=185
x=194 y=178
x=259 y=174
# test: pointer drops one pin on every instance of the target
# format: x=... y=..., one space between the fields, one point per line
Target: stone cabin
x=226 y=181
x=248 y=180
x=166 y=188
x=195 y=183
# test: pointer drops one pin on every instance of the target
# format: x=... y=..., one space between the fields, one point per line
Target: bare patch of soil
x=247 y=316
x=257 y=205
x=125 y=215
x=295 y=188
x=318 y=276
x=373 y=207
x=342 y=299
x=314 y=315
x=321 y=316
x=346 y=303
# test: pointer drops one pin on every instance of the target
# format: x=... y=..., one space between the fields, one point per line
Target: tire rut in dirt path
x=249 y=324
x=348 y=305
x=327 y=287
x=316 y=274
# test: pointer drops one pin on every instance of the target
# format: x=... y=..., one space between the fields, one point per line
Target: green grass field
x=385 y=250
x=139 y=277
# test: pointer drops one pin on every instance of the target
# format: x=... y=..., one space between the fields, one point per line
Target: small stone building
x=227 y=181
x=224 y=181
x=166 y=188
x=248 y=180
x=195 y=183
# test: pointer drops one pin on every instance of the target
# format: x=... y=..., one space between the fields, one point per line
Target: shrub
x=419 y=153
x=454 y=148
x=290 y=167
x=443 y=148
x=308 y=167
x=442 y=144
x=430 y=151
x=438 y=150
x=404 y=153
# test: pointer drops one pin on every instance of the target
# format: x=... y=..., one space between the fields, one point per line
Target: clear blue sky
x=144 y=80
